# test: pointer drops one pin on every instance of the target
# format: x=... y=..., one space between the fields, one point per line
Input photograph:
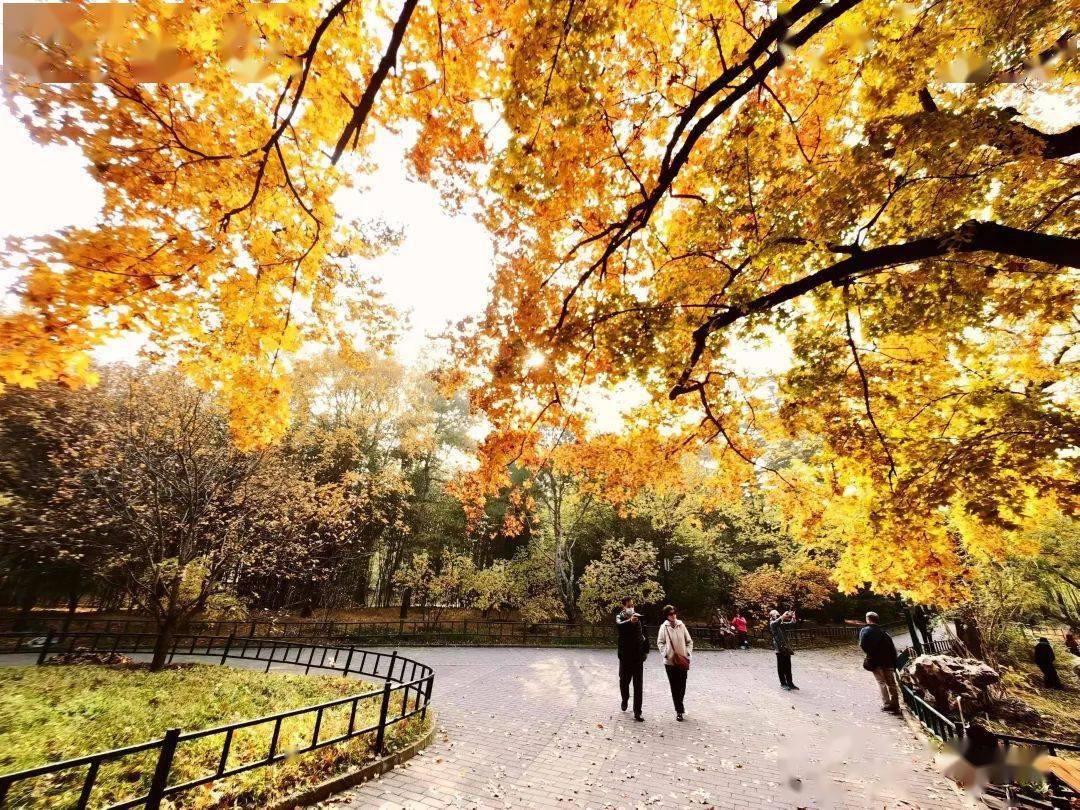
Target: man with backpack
x=881 y=660
x=633 y=647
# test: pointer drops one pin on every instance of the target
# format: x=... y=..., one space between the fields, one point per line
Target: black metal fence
x=463 y=632
x=944 y=728
x=406 y=692
x=952 y=731
x=942 y=646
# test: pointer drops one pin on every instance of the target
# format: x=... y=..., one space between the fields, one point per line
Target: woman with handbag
x=675 y=645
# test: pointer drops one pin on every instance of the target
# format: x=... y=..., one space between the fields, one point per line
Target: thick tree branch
x=1055 y=145
x=389 y=59
x=1058 y=144
x=971 y=237
x=680 y=148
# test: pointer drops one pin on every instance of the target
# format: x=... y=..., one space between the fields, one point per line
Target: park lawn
x=59 y=712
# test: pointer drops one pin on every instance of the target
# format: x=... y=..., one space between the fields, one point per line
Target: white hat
x=774 y=614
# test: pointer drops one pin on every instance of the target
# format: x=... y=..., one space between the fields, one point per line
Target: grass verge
x=60 y=712
x=1059 y=709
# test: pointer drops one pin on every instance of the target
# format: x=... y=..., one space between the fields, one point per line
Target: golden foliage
x=883 y=191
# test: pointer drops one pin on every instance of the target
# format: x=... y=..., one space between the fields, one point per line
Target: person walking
x=921 y=618
x=675 y=645
x=633 y=647
x=738 y=624
x=881 y=660
x=1044 y=659
x=778 y=628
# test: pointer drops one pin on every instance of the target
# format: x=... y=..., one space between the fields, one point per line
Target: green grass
x=1060 y=708
x=59 y=712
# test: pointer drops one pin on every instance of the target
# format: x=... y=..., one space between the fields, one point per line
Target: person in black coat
x=1044 y=658
x=881 y=660
x=633 y=647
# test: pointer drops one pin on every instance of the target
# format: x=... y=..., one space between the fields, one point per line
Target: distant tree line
x=132 y=495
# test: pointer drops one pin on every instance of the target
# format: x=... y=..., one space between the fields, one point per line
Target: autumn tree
x=158 y=500
x=797 y=584
x=385 y=436
x=622 y=570
x=33 y=427
x=445 y=581
x=563 y=505
x=880 y=197
x=493 y=588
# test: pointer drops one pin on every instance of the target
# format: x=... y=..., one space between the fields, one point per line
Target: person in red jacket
x=738 y=624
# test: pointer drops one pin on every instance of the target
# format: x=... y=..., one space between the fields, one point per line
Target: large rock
x=942 y=680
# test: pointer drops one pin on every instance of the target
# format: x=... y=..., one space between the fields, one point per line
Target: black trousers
x=743 y=640
x=631 y=671
x=783 y=668
x=677 y=680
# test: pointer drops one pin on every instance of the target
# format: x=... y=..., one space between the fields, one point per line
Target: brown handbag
x=681 y=661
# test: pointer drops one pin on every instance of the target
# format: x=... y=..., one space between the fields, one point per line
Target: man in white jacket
x=675 y=645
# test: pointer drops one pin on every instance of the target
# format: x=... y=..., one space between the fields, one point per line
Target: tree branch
x=363 y=107
x=971 y=237
x=679 y=149
x=865 y=382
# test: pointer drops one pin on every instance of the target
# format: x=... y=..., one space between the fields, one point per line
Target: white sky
x=440 y=272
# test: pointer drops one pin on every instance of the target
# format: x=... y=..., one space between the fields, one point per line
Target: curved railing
x=406 y=692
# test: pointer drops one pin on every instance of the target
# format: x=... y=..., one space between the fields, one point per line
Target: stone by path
x=542 y=728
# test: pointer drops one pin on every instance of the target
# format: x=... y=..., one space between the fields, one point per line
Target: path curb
x=336 y=784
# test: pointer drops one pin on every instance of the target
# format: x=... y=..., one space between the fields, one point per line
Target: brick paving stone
x=542 y=728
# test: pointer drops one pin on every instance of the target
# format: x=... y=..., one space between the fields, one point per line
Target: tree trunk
x=26 y=605
x=162 y=644
x=73 y=605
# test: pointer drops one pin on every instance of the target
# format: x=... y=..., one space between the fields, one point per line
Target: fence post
x=45 y=648
x=381 y=731
x=427 y=697
x=161 y=772
x=228 y=645
x=348 y=661
x=393 y=663
x=916 y=642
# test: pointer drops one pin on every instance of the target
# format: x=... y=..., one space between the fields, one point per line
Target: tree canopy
x=880 y=198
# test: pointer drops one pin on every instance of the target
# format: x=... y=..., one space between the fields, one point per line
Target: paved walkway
x=542 y=728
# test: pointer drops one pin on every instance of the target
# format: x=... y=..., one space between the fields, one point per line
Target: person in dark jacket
x=920 y=616
x=778 y=628
x=881 y=660
x=1044 y=658
x=633 y=647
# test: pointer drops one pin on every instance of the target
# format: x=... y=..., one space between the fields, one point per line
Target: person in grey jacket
x=778 y=628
